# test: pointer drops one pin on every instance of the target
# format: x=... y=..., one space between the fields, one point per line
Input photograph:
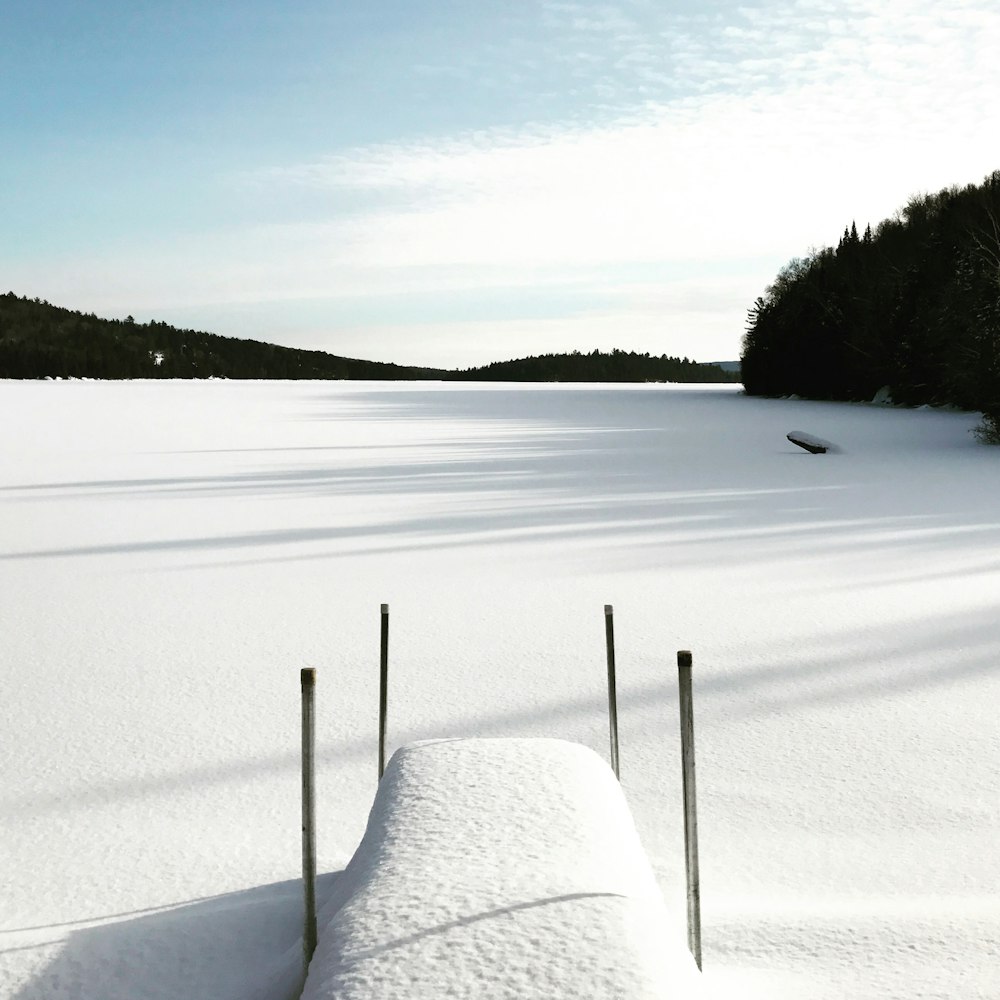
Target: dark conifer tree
x=914 y=304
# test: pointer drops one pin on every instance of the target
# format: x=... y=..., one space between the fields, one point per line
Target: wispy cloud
x=875 y=103
x=752 y=133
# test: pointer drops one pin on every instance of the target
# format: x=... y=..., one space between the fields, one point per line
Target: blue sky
x=451 y=183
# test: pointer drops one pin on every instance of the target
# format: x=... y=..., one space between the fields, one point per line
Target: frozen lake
x=174 y=552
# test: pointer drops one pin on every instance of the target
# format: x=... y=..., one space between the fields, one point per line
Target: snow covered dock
x=499 y=868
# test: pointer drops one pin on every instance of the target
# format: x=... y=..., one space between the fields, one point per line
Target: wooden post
x=383 y=689
x=609 y=635
x=814 y=445
x=309 y=811
x=690 y=806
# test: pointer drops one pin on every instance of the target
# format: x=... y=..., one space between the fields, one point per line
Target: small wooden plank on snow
x=814 y=445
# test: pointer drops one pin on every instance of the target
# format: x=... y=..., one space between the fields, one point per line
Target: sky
x=458 y=182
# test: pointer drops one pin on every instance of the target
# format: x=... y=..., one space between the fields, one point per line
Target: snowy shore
x=174 y=552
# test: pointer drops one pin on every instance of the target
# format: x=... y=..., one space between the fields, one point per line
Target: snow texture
x=499 y=868
x=173 y=553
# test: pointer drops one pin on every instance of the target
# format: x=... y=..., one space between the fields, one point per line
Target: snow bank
x=499 y=868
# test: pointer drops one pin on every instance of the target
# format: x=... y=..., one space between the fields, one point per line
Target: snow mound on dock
x=499 y=868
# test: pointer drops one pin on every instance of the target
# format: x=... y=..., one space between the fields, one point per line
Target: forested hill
x=914 y=305
x=39 y=340
x=616 y=366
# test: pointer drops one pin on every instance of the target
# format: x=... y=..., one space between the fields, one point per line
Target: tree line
x=40 y=340
x=913 y=305
x=598 y=366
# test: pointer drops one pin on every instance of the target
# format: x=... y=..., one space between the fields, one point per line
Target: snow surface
x=173 y=553
x=499 y=868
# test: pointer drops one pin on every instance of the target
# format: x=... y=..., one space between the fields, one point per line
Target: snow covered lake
x=174 y=552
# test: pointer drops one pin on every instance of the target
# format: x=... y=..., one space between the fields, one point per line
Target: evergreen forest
x=598 y=366
x=913 y=305
x=40 y=340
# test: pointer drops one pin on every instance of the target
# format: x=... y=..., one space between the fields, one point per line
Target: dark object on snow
x=383 y=689
x=609 y=637
x=308 y=676
x=690 y=805
x=814 y=445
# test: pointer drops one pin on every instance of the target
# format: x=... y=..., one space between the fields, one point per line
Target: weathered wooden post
x=308 y=677
x=609 y=635
x=383 y=689
x=814 y=445
x=690 y=806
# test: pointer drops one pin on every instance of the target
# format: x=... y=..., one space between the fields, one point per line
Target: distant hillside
x=38 y=340
x=617 y=366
